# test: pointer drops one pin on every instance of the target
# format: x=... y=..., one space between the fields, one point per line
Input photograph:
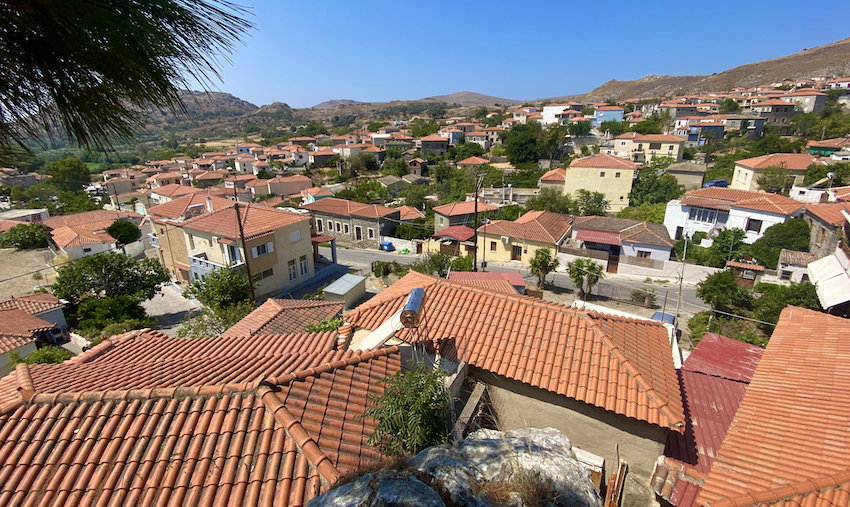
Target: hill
x=330 y=104
x=829 y=59
x=473 y=99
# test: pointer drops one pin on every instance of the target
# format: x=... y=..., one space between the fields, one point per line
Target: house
x=237 y=421
x=705 y=132
x=793 y=266
x=713 y=380
x=678 y=110
x=472 y=162
x=238 y=180
x=642 y=148
x=607 y=113
x=748 y=274
x=831 y=276
x=689 y=174
x=796 y=377
x=777 y=113
x=612 y=176
x=15 y=217
x=508 y=283
x=505 y=241
x=746 y=125
x=458 y=213
x=450 y=240
x=46 y=307
x=825 y=224
x=352 y=221
x=748 y=170
x=280 y=185
x=209 y=178
x=417 y=166
x=393 y=184
x=20 y=332
x=480 y=138
x=494 y=135
x=164 y=194
x=163 y=179
x=550 y=112
x=827 y=147
x=114 y=186
x=434 y=145
x=312 y=194
x=409 y=213
x=168 y=236
x=807 y=100
x=608 y=383
x=284 y=316
x=621 y=241
x=277 y=245
x=321 y=157
x=83 y=234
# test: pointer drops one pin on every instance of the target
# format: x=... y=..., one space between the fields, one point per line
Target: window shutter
x=295 y=236
x=253 y=252
x=270 y=246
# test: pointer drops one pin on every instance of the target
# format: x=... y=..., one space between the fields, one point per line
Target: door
x=358 y=233
x=516 y=253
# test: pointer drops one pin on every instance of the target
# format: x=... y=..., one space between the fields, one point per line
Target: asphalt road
x=362 y=259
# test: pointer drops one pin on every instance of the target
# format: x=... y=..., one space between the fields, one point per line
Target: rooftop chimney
x=209 y=204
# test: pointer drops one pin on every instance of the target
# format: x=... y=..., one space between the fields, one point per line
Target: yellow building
x=748 y=170
x=603 y=173
x=642 y=148
x=506 y=241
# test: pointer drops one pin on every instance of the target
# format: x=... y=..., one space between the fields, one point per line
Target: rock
x=382 y=489
x=451 y=473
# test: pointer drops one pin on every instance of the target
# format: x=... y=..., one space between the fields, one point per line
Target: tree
x=124 y=232
x=412 y=412
x=720 y=290
x=580 y=128
x=109 y=274
x=772 y=299
x=92 y=69
x=591 y=203
x=73 y=201
x=542 y=264
x=18 y=194
x=414 y=195
x=817 y=172
x=221 y=288
x=49 y=354
x=776 y=180
x=25 y=237
x=653 y=186
x=510 y=212
x=212 y=322
x=521 y=143
x=395 y=167
x=417 y=230
x=615 y=128
x=584 y=273
x=551 y=199
x=793 y=235
x=466 y=150
x=648 y=212
x=69 y=173
x=94 y=314
x=728 y=106
x=551 y=140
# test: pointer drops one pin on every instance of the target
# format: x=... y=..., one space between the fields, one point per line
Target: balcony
x=153 y=240
x=200 y=265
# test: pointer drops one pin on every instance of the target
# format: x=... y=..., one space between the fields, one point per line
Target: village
x=663 y=280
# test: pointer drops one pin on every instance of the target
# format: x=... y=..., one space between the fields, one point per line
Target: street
x=691 y=304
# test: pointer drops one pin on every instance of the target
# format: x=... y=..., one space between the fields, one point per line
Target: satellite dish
x=831 y=176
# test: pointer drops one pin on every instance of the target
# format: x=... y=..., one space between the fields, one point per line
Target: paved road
x=170 y=307
x=362 y=259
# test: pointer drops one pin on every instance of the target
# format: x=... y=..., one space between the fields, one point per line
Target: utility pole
x=681 y=278
x=475 y=224
x=242 y=231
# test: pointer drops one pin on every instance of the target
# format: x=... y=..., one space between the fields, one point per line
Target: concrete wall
x=564 y=258
x=78 y=252
x=658 y=253
x=517 y=405
x=401 y=244
x=135 y=248
x=738 y=219
x=616 y=188
x=671 y=271
x=55 y=316
x=503 y=251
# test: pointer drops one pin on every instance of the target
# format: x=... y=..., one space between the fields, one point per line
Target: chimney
x=209 y=204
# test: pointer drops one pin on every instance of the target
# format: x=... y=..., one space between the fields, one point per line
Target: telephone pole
x=478 y=178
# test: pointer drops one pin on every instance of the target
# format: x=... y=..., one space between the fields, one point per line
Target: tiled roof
x=744 y=265
x=164 y=176
x=68 y=237
x=87 y=217
x=174 y=189
x=726 y=198
x=542 y=226
x=771 y=203
x=621 y=365
x=794 y=258
x=473 y=161
x=514 y=279
x=176 y=208
x=346 y=208
x=791 y=161
x=458 y=232
x=6 y=225
x=839 y=142
x=256 y=221
x=557 y=175
x=33 y=304
x=502 y=286
x=724 y=357
x=629 y=231
x=434 y=137
x=280 y=316
x=272 y=440
x=410 y=213
x=789 y=436
x=603 y=161
x=829 y=213
x=462 y=208
x=17 y=328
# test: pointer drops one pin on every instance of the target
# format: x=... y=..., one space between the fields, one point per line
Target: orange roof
x=344 y=207
x=179 y=207
x=557 y=175
x=256 y=221
x=175 y=189
x=773 y=102
x=87 y=217
x=163 y=176
x=462 y=208
x=409 y=213
x=726 y=198
x=6 y=225
x=603 y=161
x=473 y=161
x=624 y=366
x=69 y=237
x=542 y=226
x=829 y=212
x=434 y=137
x=792 y=161
x=838 y=143
x=788 y=439
x=477 y=134
x=280 y=316
x=33 y=304
x=609 y=108
x=625 y=230
x=180 y=421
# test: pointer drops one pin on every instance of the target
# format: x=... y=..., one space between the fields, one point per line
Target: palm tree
x=542 y=264
x=89 y=68
x=584 y=274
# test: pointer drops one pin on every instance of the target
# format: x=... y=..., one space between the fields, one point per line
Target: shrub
x=44 y=355
x=698 y=325
x=324 y=325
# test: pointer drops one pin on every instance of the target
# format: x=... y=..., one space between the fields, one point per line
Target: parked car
x=717 y=183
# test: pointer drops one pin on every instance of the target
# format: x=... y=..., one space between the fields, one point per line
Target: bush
x=324 y=325
x=698 y=325
x=94 y=315
x=25 y=236
x=127 y=325
x=49 y=354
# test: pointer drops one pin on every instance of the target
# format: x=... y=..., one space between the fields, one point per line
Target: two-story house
x=825 y=223
x=434 y=145
x=777 y=113
x=612 y=176
x=519 y=240
x=458 y=213
x=607 y=113
x=642 y=148
x=748 y=170
x=353 y=221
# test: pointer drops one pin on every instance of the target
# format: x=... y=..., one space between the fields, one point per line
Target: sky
x=304 y=53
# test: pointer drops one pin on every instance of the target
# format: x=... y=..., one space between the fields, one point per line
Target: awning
x=225 y=241
x=321 y=239
x=831 y=280
x=606 y=238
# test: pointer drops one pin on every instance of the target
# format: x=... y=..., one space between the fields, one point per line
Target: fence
x=637 y=297
x=671 y=270
x=584 y=252
x=644 y=262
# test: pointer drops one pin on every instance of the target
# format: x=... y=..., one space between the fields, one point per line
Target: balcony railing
x=201 y=261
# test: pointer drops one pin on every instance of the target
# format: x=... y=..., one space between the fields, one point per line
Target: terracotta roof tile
x=603 y=161
x=829 y=213
x=474 y=161
x=628 y=231
x=542 y=226
x=68 y=237
x=256 y=221
x=546 y=345
x=33 y=304
x=557 y=175
x=344 y=207
x=458 y=232
x=794 y=258
x=726 y=198
x=177 y=208
x=792 y=161
x=279 y=316
x=462 y=208
x=788 y=438
x=174 y=190
x=17 y=328
x=81 y=219
x=410 y=213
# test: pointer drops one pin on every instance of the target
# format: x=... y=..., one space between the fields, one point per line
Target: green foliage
x=374 y=126
x=26 y=236
x=580 y=128
x=653 y=125
x=319 y=295
x=552 y=199
x=542 y=264
x=728 y=106
x=48 y=354
x=648 y=212
x=362 y=162
x=414 y=195
x=69 y=173
x=214 y=322
x=124 y=232
x=93 y=314
x=591 y=203
x=264 y=175
x=520 y=143
x=221 y=288
x=698 y=324
x=395 y=167
x=385 y=268
x=510 y=212
x=365 y=191
x=776 y=180
x=830 y=122
x=324 y=325
x=392 y=152
x=793 y=235
x=585 y=273
x=70 y=202
x=653 y=186
x=439 y=264
x=126 y=325
x=720 y=291
x=816 y=172
x=465 y=150
x=614 y=127
x=728 y=244
x=412 y=412
x=772 y=299
x=109 y=274
x=421 y=128
x=418 y=229
x=550 y=140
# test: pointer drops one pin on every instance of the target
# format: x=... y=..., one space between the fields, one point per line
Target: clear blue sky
x=306 y=52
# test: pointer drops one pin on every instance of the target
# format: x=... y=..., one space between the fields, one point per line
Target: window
x=492 y=246
x=784 y=275
x=319 y=225
x=370 y=233
x=295 y=236
x=303 y=262
x=616 y=175
x=265 y=274
x=516 y=253
x=345 y=229
x=260 y=250
x=86 y=250
x=644 y=254
x=671 y=147
x=293 y=274
x=441 y=220
x=191 y=242
x=161 y=230
x=679 y=232
x=338 y=227
x=654 y=146
x=753 y=225
x=621 y=197
x=703 y=215
x=602 y=174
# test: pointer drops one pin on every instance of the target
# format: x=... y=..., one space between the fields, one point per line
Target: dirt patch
x=17 y=268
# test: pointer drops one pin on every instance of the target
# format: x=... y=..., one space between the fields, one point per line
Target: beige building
x=458 y=213
x=748 y=170
x=505 y=241
x=641 y=149
x=610 y=175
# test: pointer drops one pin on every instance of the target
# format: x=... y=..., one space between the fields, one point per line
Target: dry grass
x=398 y=463
x=534 y=489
